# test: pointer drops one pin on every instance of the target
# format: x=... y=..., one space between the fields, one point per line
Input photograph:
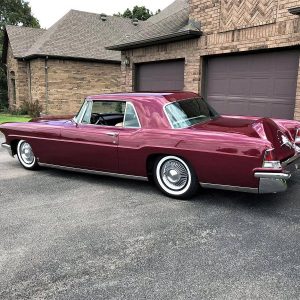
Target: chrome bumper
x=8 y=148
x=276 y=182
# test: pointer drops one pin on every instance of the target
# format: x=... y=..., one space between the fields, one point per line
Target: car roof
x=139 y=96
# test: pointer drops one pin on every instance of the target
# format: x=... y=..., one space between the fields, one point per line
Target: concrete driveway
x=74 y=236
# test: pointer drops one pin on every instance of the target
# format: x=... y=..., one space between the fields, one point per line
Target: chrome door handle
x=113 y=134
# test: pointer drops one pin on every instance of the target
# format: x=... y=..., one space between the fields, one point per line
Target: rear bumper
x=277 y=182
x=8 y=148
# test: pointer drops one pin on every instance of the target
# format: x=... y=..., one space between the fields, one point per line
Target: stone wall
x=16 y=70
x=60 y=85
x=229 y=26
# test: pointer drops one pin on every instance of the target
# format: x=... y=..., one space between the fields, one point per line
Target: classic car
x=175 y=139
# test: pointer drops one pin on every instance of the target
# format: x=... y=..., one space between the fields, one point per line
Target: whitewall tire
x=26 y=156
x=175 y=177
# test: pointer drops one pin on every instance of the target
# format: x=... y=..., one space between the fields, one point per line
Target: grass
x=13 y=118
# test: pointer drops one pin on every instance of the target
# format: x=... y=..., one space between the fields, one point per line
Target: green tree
x=12 y=12
x=138 y=12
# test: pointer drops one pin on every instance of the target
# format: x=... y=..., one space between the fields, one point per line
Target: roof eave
x=174 y=37
x=33 y=56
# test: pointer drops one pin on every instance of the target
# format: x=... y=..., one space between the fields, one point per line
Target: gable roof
x=22 y=38
x=171 y=24
x=78 y=34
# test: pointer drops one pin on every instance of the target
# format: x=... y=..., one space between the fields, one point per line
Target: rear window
x=185 y=113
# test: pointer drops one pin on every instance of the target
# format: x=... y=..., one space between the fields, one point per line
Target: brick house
x=62 y=65
x=241 y=55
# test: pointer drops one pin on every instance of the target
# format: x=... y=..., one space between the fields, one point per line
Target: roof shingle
x=172 y=22
x=76 y=35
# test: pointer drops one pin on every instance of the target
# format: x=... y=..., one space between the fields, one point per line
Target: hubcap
x=174 y=174
x=26 y=153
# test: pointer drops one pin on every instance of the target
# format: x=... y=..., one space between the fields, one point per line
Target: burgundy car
x=176 y=139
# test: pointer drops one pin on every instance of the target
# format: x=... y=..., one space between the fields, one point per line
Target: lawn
x=13 y=118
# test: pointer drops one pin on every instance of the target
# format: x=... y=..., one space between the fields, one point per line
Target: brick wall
x=228 y=27
x=61 y=87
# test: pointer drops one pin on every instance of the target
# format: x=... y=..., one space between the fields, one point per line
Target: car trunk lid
x=263 y=128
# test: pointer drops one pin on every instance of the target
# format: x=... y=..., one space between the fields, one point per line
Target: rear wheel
x=175 y=177
x=26 y=156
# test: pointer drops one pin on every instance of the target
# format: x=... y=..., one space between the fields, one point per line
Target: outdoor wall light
x=126 y=61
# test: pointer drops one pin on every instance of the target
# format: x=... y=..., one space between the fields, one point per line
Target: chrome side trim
x=229 y=187
x=272 y=175
x=142 y=178
x=8 y=148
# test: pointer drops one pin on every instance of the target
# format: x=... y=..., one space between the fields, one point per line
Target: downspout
x=46 y=84
x=30 y=82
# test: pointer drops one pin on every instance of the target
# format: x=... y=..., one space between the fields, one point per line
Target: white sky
x=50 y=11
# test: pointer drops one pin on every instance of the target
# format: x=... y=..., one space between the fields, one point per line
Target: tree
x=12 y=12
x=138 y=12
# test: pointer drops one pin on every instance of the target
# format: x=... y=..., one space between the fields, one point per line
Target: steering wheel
x=101 y=121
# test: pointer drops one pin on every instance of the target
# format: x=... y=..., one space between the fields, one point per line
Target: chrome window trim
x=126 y=102
x=85 y=109
x=137 y=116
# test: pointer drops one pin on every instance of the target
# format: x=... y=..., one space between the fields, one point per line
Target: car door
x=89 y=146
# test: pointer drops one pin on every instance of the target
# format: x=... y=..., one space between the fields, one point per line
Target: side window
x=87 y=116
x=104 y=113
x=130 y=118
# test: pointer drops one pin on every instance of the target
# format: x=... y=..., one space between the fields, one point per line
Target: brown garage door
x=160 y=76
x=262 y=84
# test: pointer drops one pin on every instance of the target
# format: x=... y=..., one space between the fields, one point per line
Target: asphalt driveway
x=75 y=236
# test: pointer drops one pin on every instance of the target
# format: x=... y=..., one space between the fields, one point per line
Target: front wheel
x=26 y=156
x=175 y=177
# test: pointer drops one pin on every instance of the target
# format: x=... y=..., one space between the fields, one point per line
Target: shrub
x=32 y=109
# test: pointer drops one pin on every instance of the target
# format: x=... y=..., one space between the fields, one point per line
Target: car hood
x=262 y=128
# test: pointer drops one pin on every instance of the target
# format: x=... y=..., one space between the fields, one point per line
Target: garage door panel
x=261 y=84
x=239 y=86
x=160 y=76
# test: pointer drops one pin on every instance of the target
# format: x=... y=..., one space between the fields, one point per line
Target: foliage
x=32 y=109
x=12 y=12
x=138 y=12
x=16 y=12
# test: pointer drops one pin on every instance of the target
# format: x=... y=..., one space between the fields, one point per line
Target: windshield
x=185 y=113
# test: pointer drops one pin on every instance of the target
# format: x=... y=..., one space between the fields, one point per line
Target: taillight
x=269 y=160
x=297 y=136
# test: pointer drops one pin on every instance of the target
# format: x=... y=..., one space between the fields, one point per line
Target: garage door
x=160 y=76
x=261 y=84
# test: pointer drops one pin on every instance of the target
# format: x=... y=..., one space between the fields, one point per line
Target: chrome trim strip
x=142 y=178
x=8 y=148
x=229 y=187
x=272 y=175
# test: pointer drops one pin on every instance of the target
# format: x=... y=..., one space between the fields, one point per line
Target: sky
x=50 y=11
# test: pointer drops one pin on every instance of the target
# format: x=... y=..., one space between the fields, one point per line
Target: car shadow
x=210 y=197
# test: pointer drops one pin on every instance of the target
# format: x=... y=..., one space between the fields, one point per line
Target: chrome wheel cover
x=26 y=154
x=173 y=175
